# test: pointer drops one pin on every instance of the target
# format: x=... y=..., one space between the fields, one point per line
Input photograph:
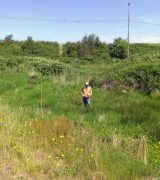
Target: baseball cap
x=87 y=83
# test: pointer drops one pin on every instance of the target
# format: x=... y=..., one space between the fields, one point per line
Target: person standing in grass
x=86 y=94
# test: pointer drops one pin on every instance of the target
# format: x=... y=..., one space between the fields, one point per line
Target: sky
x=114 y=11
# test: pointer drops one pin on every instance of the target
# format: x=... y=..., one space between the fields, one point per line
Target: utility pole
x=129 y=4
x=41 y=98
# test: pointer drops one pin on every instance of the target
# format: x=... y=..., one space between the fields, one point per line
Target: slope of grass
x=123 y=112
x=130 y=115
x=86 y=134
x=60 y=149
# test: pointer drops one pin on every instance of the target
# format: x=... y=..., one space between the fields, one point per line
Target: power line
x=77 y=20
x=61 y=20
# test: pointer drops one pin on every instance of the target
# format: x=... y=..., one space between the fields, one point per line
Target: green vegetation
x=8 y=46
x=141 y=76
x=65 y=140
x=118 y=49
x=89 y=47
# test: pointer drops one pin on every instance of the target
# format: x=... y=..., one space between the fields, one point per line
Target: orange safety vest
x=87 y=92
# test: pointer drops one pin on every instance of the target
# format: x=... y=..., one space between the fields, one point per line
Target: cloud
x=106 y=39
x=145 y=39
x=134 y=39
x=147 y=19
x=143 y=17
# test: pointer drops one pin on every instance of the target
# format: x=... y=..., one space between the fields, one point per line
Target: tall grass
x=60 y=149
x=122 y=112
x=128 y=114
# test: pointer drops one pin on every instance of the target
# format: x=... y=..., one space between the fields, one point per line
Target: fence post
x=114 y=140
x=142 y=150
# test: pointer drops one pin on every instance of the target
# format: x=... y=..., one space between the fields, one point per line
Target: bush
x=118 y=49
x=89 y=47
x=145 y=78
x=70 y=49
x=141 y=76
x=52 y=68
x=45 y=49
x=29 y=47
x=42 y=65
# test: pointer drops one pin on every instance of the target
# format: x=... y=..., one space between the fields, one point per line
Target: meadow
x=47 y=133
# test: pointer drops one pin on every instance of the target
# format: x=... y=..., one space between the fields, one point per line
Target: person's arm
x=90 y=93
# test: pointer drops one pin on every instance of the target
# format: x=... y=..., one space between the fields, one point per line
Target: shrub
x=70 y=49
x=118 y=49
x=42 y=65
x=89 y=47
x=8 y=46
x=141 y=76
x=144 y=77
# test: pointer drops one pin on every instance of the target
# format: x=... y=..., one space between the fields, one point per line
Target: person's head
x=87 y=84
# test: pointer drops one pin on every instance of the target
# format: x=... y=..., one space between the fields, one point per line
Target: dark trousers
x=86 y=101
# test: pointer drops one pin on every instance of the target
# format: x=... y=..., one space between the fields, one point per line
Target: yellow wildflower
x=92 y=155
x=57 y=165
x=49 y=157
x=61 y=136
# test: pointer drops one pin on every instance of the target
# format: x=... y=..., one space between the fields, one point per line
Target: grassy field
x=68 y=140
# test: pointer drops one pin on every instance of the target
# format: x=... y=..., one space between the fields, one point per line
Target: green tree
x=30 y=39
x=118 y=49
x=70 y=49
x=8 y=39
x=30 y=47
x=40 y=48
x=90 y=45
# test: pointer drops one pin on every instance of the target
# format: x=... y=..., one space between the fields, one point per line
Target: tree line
x=89 y=47
x=9 y=46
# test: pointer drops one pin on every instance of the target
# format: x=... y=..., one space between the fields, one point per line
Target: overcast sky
x=114 y=10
